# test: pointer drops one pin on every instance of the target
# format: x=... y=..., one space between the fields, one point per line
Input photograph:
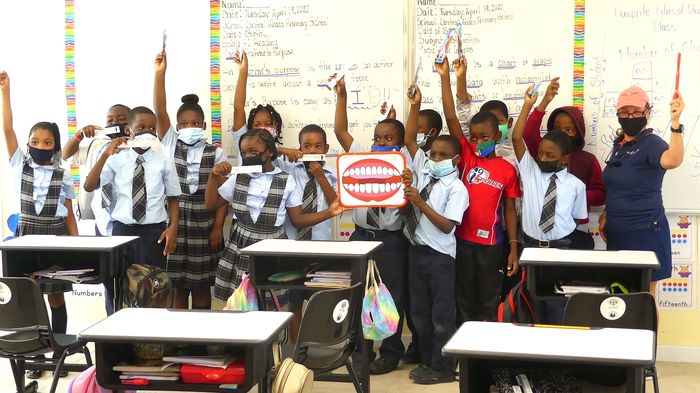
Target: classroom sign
x=681 y=237
x=677 y=291
x=371 y=179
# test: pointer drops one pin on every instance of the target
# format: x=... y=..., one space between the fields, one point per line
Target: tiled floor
x=674 y=378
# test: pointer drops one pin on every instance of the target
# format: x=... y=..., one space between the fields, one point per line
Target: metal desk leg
x=635 y=380
x=464 y=376
x=364 y=372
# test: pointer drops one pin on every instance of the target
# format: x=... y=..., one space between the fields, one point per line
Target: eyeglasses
x=633 y=115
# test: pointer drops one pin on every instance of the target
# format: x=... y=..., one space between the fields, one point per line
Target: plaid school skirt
x=233 y=265
x=193 y=264
x=38 y=225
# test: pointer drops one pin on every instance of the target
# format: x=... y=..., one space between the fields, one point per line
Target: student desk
x=248 y=334
x=480 y=344
x=545 y=266
x=276 y=255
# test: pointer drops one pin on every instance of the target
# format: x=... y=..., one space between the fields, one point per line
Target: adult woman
x=634 y=217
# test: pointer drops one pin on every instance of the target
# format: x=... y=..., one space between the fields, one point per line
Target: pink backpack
x=86 y=382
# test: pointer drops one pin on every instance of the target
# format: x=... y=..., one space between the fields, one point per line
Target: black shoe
x=424 y=375
x=412 y=355
x=33 y=374
x=383 y=366
x=61 y=374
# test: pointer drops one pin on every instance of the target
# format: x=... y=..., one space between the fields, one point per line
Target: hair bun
x=190 y=99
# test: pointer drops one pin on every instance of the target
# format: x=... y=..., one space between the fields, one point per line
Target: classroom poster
x=681 y=237
x=676 y=292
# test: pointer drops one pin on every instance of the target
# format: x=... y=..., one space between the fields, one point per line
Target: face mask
x=632 y=126
x=441 y=168
x=503 y=128
x=549 y=166
x=485 y=148
x=377 y=148
x=421 y=140
x=40 y=156
x=252 y=160
x=191 y=135
x=307 y=163
x=271 y=130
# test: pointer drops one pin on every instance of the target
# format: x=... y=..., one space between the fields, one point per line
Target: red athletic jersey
x=488 y=182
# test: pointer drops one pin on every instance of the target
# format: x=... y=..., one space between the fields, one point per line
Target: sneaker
x=418 y=371
x=33 y=374
x=412 y=355
x=383 y=366
x=428 y=376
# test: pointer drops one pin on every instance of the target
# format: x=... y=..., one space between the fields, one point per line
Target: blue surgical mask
x=377 y=148
x=190 y=135
x=441 y=168
x=503 y=128
x=485 y=148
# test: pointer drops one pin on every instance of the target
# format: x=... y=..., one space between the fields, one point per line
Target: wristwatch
x=678 y=130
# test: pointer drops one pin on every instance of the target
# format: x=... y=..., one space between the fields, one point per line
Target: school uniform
x=481 y=245
x=131 y=175
x=636 y=218
x=385 y=225
x=102 y=205
x=431 y=262
x=192 y=265
x=259 y=202
x=312 y=197
x=42 y=192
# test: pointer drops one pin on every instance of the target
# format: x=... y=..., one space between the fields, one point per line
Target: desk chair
x=329 y=331
x=583 y=309
x=23 y=313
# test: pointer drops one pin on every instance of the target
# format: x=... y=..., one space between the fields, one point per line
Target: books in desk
x=168 y=369
x=328 y=279
x=574 y=287
x=75 y=276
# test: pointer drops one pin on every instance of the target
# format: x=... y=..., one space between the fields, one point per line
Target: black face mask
x=252 y=160
x=549 y=166
x=632 y=126
x=40 y=156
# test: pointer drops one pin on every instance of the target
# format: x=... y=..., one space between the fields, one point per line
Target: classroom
x=564 y=135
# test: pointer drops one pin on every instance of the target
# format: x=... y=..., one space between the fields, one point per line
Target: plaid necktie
x=549 y=205
x=373 y=217
x=138 y=191
x=411 y=219
x=106 y=195
x=308 y=205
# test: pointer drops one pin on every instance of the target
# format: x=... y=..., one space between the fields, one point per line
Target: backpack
x=518 y=306
x=147 y=286
x=88 y=154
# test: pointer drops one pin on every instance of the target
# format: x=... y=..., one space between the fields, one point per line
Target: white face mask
x=421 y=140
x=145 y=141
x=190 y=135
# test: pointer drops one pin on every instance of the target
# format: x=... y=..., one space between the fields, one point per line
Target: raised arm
x=448 y=103
x=341 y=116
x=8 y=130
x=412 y=121
x=673 y=156
x=460 y=67
x=534 y=121
x=518 y=130
x=159 y=101
x=239 y=118
x=71 y=147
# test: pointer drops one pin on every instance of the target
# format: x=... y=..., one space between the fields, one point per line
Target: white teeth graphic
x=393 y=186
x=375 y=187
x=352 y=172
x=361 y=188
x=347 y=186
x=351 y=187
x=374 y=170
x=382 y=186
x=362 y=171
x=385 y=171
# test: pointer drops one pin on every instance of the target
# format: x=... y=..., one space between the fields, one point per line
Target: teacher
x=634 y=216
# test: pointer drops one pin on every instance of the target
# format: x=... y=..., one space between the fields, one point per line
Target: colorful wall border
x=70 y=82
x=215 y=70
x=579 y=51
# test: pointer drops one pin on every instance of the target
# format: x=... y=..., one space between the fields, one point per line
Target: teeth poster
x=371 y=179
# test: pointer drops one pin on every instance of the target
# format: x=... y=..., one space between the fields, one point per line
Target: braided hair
x=264 y=136
x=276 y=118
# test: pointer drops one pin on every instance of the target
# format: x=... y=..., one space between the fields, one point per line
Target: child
x=142 y=180
x=260 y=203
x=553 y=199
x=192 y=265
x=116 y=115
x=480 y=241
x=582 y=164
x=45 y=194
x=381 y=224
x=262 y=116
x=437 y=205
x=429 y=127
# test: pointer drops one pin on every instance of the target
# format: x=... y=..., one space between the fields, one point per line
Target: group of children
x=474 y=196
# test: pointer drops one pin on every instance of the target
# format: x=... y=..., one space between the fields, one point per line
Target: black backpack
x=518 y=306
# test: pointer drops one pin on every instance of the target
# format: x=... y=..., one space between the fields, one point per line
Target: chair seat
x=23 y=343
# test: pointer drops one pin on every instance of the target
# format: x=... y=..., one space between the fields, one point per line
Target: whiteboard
x=641 y=50
x=294 y=46
x=508 y=45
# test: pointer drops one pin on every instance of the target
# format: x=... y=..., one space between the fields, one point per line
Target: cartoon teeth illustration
x=372 y=180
